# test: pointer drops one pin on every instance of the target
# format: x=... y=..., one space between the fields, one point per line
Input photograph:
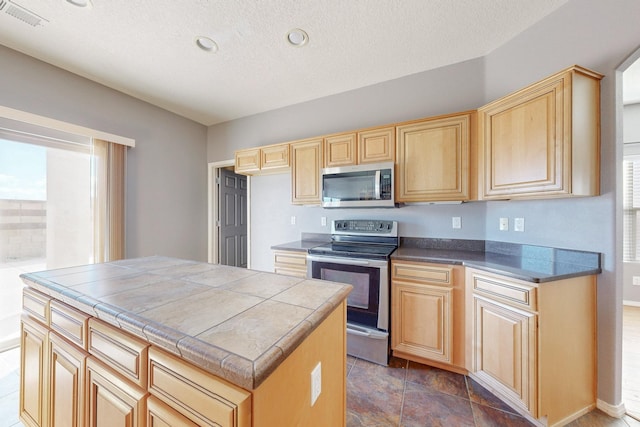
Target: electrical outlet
x=323 y=221
x=518 y=224
x=316 y=383
x=504 y=224
x=293 y=220
x=636 y=281
x=456 y=222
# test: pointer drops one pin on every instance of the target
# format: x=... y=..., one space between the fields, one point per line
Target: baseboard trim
x=615 y=411
x=631 y=303
x=10 y=344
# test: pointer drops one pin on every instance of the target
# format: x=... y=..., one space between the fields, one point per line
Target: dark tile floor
x=402 y=394
x=410 y=394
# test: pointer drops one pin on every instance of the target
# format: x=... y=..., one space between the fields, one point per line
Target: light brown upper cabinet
x=544 y=140
x=306 y=165
x=377 y=145
x=433 y=158
x=340 y=150
x=367 y=146
x=263 y=160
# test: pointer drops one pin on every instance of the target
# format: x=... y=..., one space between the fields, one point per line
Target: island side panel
x=284 y=398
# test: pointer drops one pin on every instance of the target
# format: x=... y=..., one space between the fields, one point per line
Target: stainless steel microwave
x=361 y=186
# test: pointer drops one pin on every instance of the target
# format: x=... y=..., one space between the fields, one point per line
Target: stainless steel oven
x=359 y=255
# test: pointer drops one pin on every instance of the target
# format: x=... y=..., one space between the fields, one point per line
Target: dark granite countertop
x=306 y=242
x=531 y=263
x=298 y=245
x=537 y=264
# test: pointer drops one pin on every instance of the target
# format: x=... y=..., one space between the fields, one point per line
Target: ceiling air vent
x=21 y=13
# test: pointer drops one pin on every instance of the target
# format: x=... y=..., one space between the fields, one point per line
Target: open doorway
x=631 y=241
x=228 y=215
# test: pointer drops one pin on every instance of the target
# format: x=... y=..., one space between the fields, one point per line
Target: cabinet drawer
x=124 y=353
x=421 y=272
x=36 y=304
x=199 y=396
x=70 y=323
x=511 y=292
x=291 y=258
x=300 y=272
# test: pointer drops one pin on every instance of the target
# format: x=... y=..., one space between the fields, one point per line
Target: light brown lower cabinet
x=117 y=380
x=161 y=415
x=33 y=372
x=67 y=364
x=534 y=344
x=427 y=324
x=112 y=400
x=290 y=263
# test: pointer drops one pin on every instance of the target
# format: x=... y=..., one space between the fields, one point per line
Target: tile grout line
x=404 y=390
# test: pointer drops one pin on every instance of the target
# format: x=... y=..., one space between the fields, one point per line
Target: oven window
x=359 y=296
x=364 y=300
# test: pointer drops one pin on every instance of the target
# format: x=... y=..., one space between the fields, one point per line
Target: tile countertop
x=236 y=323
x=537 y=264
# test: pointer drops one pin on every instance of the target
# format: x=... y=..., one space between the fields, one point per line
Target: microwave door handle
x=377 y=185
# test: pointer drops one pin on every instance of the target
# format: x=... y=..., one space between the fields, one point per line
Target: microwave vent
x=22 y=13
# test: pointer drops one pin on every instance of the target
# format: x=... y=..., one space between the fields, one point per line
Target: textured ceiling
x=146 y=48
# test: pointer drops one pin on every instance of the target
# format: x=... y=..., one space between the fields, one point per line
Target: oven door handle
x=364 y=332
x=350 y=261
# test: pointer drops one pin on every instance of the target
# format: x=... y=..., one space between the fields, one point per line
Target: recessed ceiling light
x=206 y=44
x=80 y=3
x=297 y=37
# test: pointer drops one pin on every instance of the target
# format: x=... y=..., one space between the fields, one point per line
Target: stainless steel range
x=359 y=255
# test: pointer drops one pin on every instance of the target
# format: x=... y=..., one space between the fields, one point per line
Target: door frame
x=619 y=232
x=213 y=235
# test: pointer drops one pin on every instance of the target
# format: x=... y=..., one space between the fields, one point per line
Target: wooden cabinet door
x=505 y=351
x=524 y=146
x=377 y=145
x=306 y=166
x=161 y=415
x=274 y=158
x=247 y=161
x=433 y=159
x=544 y=140
x=340 y=150
x=112 y=400
x=67 y=388
x=33 y=373
x=422 y=320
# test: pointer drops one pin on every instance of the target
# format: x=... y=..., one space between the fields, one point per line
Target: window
x=61 y=205
x=631 y=206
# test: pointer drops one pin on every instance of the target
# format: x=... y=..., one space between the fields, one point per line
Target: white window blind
x=631 y=205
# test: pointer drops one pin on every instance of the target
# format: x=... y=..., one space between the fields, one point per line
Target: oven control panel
x=357 y=226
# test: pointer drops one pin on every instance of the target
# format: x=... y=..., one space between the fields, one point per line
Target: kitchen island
x=159 y=340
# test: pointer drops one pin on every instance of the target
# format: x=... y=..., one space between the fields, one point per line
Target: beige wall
x=166 y=172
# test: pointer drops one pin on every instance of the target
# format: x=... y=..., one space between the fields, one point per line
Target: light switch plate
x=518 y=224
x=504 y=224
x=316 y=383
x=456 y=222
